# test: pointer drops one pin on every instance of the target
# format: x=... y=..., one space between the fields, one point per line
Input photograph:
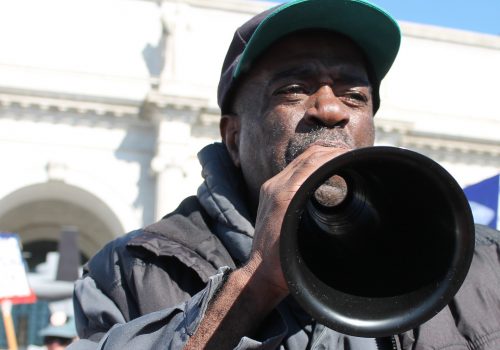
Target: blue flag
x=484 y=198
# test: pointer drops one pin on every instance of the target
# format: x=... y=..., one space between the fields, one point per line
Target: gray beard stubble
x=328 y=137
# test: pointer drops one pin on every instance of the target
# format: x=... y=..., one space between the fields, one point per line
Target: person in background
x=60 y=333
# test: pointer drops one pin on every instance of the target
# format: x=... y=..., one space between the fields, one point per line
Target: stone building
x=104 y=105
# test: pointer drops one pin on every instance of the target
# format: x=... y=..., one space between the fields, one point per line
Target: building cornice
x=157 y=103
x=66 y=103
x=409 y=138
x=458 y=145
x=84 y=105
x=178 y=102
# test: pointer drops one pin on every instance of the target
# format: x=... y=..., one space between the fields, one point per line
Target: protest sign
x=14 y=287
x=14 y=282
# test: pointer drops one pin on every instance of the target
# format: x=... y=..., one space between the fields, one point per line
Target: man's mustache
x=321 y=135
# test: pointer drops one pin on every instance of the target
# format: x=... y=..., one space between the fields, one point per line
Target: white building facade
x=104 y=105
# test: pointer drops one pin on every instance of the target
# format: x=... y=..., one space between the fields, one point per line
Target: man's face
x=309 y=88
x=56 y=343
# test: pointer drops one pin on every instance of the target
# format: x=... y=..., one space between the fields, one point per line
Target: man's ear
x=230 y=132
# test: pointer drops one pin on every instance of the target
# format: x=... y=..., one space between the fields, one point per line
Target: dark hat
x=370 y=27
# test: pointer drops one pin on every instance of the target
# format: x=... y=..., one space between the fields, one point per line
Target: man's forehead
x=309 y=52
x=311 y=68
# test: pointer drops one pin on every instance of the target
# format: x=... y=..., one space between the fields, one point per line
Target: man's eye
x=290 y=90
x=356 y=96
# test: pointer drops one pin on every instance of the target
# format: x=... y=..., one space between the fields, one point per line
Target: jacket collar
x=221 y=196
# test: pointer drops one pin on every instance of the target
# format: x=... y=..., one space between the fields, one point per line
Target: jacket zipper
x=387 y=343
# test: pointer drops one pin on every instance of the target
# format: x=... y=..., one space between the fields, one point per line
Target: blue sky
x=474 y=15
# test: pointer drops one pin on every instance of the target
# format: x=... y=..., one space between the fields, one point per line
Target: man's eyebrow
x=304 y=71
x=297 y=71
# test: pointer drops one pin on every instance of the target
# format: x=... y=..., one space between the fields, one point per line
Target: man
x=57 y=335
x=299 y=86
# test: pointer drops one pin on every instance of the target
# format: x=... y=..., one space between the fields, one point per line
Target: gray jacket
x=150 y=288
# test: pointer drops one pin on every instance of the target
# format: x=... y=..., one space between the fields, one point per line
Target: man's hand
x=255 y=289
x=275 y=196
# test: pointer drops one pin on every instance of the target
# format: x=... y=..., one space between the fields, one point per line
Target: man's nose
x=326 y=109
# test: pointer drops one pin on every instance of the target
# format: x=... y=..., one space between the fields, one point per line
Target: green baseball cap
x=370 y=27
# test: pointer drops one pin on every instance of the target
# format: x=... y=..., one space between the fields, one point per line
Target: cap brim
x=65 y=331
x=370 y=27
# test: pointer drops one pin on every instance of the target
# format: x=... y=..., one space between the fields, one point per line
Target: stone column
x=174 y=132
